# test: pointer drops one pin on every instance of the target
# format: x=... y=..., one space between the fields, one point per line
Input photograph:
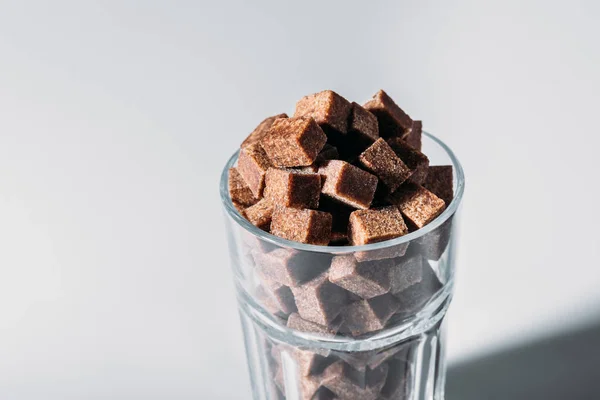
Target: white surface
x=115 y=121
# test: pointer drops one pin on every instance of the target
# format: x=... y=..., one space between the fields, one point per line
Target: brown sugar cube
x=284 y=299
x=341 y=377
x=433 y=244
x=239 y=192
x=293 y=142
x=328 y=109
x=295 y=321
x=304 y=226
x=375 y=225
x=311 y=363
x=418 y=205
x=281 y=294
x=380 y=160
x=415 y=136
x=319 y=300
x=252 y=166
x=367 y=280
x=411 y=300
x=413 y=158
x=260 y=214
x=363 y=124
x=439 y=182
x=348 y=184
x=351 y=384
x=393 y=122
x=394 y=251
x=290 y=267
x=405 y=272
x=261 y=130
x=370 y=315
x=291 y=188
x=269 y=303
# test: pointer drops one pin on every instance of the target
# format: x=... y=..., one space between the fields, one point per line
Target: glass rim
x=281 y=242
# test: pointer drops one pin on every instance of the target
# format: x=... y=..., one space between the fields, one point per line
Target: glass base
x=412 y=367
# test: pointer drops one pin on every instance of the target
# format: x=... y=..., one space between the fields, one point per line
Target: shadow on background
x=564 y=367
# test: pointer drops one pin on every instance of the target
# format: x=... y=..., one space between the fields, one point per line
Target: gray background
x=116 y=118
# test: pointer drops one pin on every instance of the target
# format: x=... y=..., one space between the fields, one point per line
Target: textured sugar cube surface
x=393 y=121
x=382 y=162
x=348 y=184
x=304 y=226
x=252 y=166
x=260 y=214
x=418 y=205
x=290 y=267
x=370 y=315
x=433 y=244
x=363 y=123
x=367 y=280
x=439 y=181
x=239 y=191
x=376 y=225
x=327 y=108
x=415 y=136
x=261 y=130
x=291 y=188
x=405 y=272
x=413 y=158
x=319 y=300
x=293 y=142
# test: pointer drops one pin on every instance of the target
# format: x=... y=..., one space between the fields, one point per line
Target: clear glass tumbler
x=307 y=338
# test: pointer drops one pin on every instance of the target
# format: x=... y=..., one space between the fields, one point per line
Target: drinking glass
x=307 y=338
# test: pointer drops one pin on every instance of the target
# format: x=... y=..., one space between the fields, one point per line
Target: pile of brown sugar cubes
x=338 y=173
